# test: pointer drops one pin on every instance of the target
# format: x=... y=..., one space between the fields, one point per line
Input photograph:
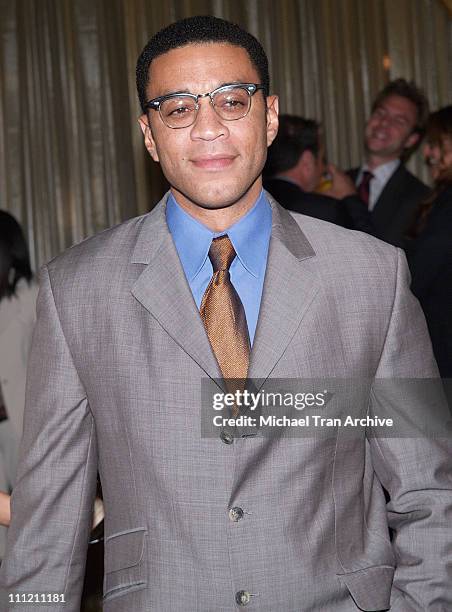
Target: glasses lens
x=178 y=112
x=231 y=104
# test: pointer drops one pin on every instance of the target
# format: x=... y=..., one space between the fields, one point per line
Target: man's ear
x=148 y=138
x=272 y=118
x=411 y=140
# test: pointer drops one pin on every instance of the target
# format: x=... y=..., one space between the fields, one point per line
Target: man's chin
x=383 y=151
x=375 y=147
x=207 y=203
x=210 y=199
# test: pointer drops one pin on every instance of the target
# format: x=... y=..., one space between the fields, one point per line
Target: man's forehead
x=399 y=105
x=199 y=68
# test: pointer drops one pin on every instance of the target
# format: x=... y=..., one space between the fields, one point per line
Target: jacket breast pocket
x=125 y=563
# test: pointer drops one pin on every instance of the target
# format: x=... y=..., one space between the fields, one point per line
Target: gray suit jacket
x=117 y=361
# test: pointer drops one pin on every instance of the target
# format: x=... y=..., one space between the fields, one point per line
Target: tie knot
x=221 y=253
x=367 y=177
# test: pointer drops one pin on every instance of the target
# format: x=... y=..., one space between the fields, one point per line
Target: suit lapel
x=387 y=205
x=289 y=290
x=163 y=290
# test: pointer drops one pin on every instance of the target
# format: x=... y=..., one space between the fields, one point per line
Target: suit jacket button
x=235 y=514
x=242 y=598
x=226 y=436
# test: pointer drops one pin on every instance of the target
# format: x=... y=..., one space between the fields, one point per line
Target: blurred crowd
x=381 y=196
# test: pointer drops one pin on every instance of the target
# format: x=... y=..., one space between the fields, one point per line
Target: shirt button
x=226 y=437
x=242 y=598
x=235 y=514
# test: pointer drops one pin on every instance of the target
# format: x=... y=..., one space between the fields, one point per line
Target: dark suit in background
x=349 y=212
x=395 y=209
x=430 y=259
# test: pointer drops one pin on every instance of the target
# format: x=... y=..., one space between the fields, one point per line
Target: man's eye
x=180 y=110
x=231 y=104
x=177 y=108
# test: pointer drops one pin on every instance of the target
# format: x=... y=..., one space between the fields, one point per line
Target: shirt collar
x=250 y=237
x=384 y=171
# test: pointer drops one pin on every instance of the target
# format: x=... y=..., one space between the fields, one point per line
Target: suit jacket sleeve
x=53 y=499
x=415 y=468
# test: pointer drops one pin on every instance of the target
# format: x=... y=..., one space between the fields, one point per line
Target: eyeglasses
x=230 y=102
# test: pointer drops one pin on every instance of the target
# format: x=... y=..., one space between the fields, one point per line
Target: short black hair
x=14 y=257
x=410 y=91
x=295 y=136
x=198 y=30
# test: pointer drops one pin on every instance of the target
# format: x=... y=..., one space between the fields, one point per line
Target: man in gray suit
x=198 y=523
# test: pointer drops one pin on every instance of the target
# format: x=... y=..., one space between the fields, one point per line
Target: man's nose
x=208 y=125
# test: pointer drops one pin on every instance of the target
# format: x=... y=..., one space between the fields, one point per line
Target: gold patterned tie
x=224 y=318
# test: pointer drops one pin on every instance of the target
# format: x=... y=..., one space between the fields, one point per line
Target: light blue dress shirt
x=250 y=237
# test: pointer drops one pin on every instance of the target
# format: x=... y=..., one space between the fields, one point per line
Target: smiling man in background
x=220 y=281
x=393 y=130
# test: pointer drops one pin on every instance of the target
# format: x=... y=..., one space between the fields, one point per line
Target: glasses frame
x=156 y=103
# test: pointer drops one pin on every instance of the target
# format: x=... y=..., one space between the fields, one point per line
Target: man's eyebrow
x=170 y=92
x=401 y=116
x=183 y=90
x=396 y=114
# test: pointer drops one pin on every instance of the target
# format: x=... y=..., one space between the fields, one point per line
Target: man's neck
x=292 y=177
x=374 y=161
x=219 y=219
